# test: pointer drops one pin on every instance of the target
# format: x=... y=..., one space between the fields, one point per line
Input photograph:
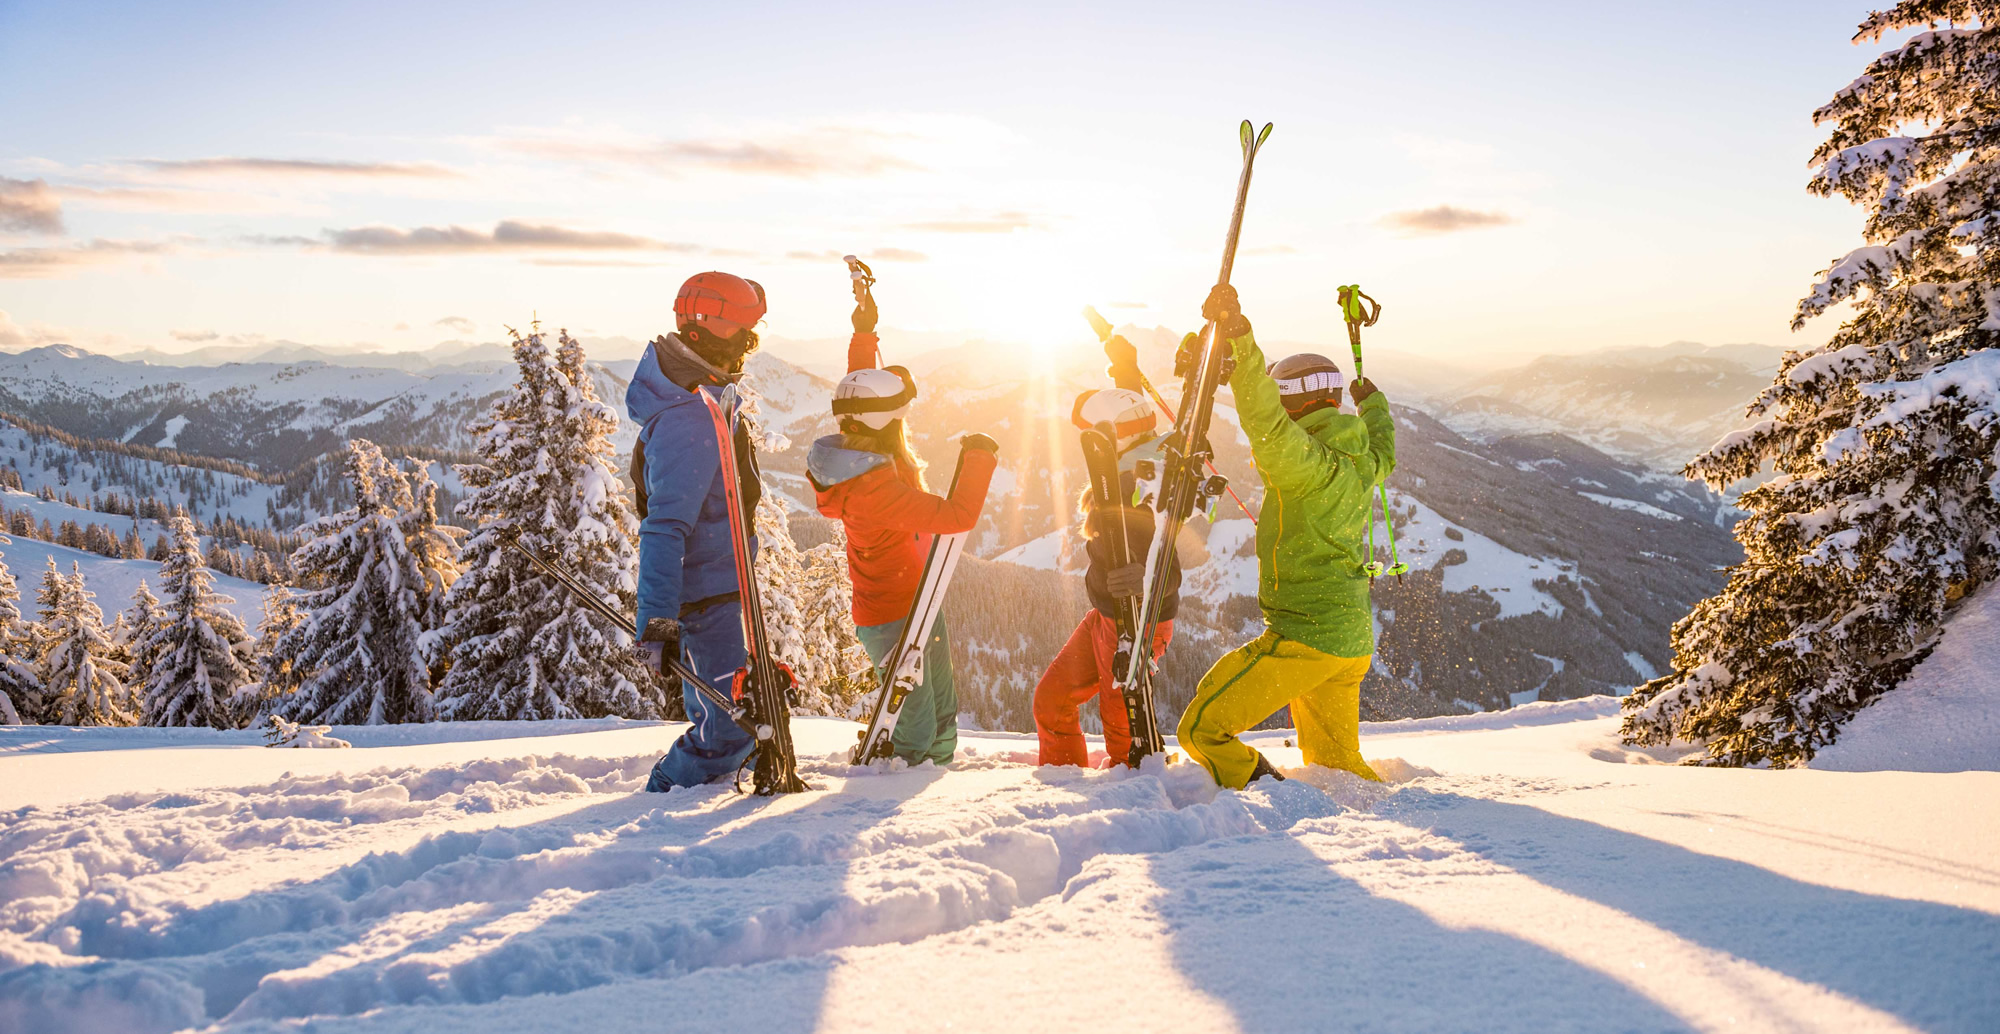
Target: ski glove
x=1362 y=389
x=1122 y=353
x=1129 y=580
x=1189 y=357
x=662 y=639
x=865 y=314
x=1226 y=311
x=975 y=440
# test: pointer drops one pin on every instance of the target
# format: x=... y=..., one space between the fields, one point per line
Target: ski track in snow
x=541 y=892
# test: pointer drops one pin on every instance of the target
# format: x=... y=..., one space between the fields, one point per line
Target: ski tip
x=1243 y=133
x=1263 y=136
x=1097 y=323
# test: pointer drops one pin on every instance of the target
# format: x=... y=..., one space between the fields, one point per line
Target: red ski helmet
x=720 y=295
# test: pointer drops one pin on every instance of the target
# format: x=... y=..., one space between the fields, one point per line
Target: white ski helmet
x=1127 y=411
x=1307 y=381
x=875 y=398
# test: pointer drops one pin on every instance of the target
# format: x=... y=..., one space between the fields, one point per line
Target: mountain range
x=1548 y=556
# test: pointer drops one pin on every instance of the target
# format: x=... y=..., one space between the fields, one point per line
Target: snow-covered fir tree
x=276 y=676
x=82 y=683
x=515 y=642
x=20 y=686
x=1885 y=507
x=376 y=585
x=139 y=622
x=806 y=594
x=193 y=672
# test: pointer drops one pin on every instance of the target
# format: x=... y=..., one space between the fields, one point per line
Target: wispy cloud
x=193 y=336
x=797 y=154
x=28 y=263
x=293 y=167
x=29 y=206
x=878 y=255
x=507 y=236
x=457 y=323
x=1429 y=222
x=15 y=335
x=1001 y=222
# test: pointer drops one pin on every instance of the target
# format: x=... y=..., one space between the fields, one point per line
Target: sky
x=1509 y=180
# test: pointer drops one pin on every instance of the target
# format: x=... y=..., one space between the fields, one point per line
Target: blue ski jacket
x=685 y=556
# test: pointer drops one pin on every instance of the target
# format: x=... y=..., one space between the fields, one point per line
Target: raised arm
x=864 y=350
x=908 y=508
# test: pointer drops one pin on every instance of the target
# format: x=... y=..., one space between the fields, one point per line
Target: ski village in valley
x=790 y=517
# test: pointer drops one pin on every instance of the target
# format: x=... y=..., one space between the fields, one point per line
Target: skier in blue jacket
x=687 y=565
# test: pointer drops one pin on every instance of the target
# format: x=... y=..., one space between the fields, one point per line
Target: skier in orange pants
x=1082 y=669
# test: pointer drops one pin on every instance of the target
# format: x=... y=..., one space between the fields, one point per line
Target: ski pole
x=864 y=282
x=630 y=625
x=1104 y=333
x=1359 y=310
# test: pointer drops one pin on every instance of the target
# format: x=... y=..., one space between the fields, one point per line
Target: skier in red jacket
x=1082 y=668
x=868 y=478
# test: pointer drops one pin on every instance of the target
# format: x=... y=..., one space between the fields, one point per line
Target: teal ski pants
x=928 y=726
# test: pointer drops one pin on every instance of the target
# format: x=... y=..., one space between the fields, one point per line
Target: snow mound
x=1945 y=717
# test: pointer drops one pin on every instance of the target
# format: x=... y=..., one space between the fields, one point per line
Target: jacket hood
x=1343 y=432
x=831 y=463
x=666 y=376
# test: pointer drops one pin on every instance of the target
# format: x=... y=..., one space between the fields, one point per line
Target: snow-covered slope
x=1520 y=872
x=114 y=581
x=1945 y=717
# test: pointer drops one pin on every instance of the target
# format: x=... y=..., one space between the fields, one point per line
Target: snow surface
x=1945 y=717
x=1522 y=873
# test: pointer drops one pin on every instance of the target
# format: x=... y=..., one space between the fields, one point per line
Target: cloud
x=1427 y=222
x=508 y=235
x=294 y=167
x=457 y=323
x=1002 y=222
x=29 y=206
x=878 y=255
x=26 y=263
x=14 y=335
x=799 y=154
x=193 y=335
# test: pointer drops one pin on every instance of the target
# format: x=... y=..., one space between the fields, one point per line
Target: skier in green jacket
x=1319 y=467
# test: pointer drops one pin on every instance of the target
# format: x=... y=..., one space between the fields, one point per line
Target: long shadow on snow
x=1264 y=926
x=1932 y=965
x=220 y=953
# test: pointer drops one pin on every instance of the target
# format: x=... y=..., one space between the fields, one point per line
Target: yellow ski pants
x=1250 y=683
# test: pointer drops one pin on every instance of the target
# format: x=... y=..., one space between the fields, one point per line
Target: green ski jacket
x=1319 y=473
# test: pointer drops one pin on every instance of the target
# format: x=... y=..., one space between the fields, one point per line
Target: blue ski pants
x=928 y=725
x=714 y=748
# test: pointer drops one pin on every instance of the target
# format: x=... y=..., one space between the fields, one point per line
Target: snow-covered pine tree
x=276 y=677
x=193 y=672
x=20 y=686
x=516 y=644
x=1886 y=502
x=357 y=650
x=82 y=684
x=806 y=596
x=141 y=620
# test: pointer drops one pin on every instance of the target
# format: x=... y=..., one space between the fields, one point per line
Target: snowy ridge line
x=626 y=887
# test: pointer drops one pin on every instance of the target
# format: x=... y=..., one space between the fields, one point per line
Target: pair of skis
x=1174 y=488
x=902 y=668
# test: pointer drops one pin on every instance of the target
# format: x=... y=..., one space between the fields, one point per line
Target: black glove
x=1363 y=388
x=1223 y=308
x=1129 y=580
x=983 y=443
x=864 y=314
x=661 y=641
x=1188 y=356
